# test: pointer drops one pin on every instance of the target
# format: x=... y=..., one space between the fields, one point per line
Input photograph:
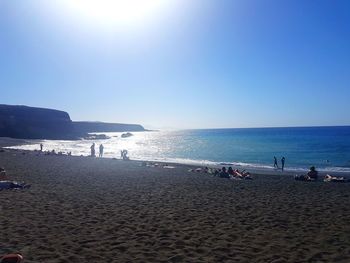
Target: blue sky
x=195 y=64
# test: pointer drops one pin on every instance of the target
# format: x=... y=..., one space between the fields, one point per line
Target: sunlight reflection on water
x=243 y=147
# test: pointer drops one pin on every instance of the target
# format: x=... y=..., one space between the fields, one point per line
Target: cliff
x=34 y=123
x=38 y=123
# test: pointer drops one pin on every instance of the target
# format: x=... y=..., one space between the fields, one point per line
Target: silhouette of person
x=124 y=155
x=275 y=164
x=230 y=171
x=101 y=150
x=41 y=147
x=224 y=173
x=282 y=161
x=92 y=148
x=312 y=174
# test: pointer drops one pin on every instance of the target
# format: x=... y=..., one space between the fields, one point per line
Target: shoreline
x=263 y=170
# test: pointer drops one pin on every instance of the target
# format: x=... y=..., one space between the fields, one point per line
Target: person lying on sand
x=12 y=185
x=241 y=175
x=205 y=170
x=335 y=179
x=246 y=175
x=53 y=152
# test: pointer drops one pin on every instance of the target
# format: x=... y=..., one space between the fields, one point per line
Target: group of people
x=224 y=173
x=232 y=174
x=312 y=175
x=92 y=149
x=53 y=152
x=275 y=163
x=123 y=153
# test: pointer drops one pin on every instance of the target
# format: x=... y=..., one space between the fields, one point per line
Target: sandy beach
x=82 y=209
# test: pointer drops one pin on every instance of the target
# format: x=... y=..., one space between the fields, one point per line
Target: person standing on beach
x=41 y=147
x=282 y=161
x=275 y=162
x=3 y=176
x=92 y=148
x=101 y=150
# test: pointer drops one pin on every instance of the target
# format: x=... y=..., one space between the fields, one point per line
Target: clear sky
x=180 y=63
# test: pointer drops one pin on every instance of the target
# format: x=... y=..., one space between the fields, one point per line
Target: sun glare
x=117 y=12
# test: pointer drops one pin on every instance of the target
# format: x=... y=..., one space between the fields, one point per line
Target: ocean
x=326 y=148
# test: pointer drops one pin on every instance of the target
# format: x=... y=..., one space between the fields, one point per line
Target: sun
x=116 y=12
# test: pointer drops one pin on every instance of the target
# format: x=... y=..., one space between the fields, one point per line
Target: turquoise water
x=328 y=148
x=324 y=147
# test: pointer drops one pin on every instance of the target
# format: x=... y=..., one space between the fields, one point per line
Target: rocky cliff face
x=38 y=123
x=34 y=123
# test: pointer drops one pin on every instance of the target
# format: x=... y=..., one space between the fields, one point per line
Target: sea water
x=327 y=148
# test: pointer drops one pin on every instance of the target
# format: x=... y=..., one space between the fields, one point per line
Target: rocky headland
x=23 y=122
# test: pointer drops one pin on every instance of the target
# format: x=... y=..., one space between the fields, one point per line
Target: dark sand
x=82 y=209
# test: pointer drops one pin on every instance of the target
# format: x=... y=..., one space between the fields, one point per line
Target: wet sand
x=82 y=209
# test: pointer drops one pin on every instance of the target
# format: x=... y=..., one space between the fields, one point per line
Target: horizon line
x=266 y=127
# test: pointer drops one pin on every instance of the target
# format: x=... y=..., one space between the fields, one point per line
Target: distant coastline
x=24 y=122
